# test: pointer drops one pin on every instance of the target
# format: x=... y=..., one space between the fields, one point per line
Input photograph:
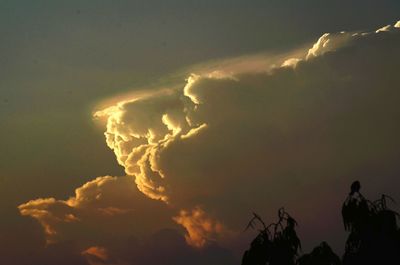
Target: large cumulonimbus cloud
x=294 y=131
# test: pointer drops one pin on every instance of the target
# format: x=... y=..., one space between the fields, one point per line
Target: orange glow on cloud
x=200 y=227
x=98 y=252
x=220 y=128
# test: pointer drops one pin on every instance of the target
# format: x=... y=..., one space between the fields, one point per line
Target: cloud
x=98 y=252
x=383 y=29
x=257 y=134
x=109 y=222
x=200 y=228
x=49 y=213
x=106 y=206
x=253 y=133
x=99 y=256
x=329 y=42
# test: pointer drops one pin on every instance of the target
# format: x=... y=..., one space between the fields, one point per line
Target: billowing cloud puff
x=329 y=42
x=200 y=228
x=113 y=223
x=107 y=206
x=253 y=137
x=49 y=213
x=294 y=130
x=138 y=129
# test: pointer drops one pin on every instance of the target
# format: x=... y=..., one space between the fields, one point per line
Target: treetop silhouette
x=276 y=243
x=374 y=236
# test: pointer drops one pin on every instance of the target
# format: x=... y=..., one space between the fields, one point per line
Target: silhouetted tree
x=320 y=255
x=374 y=237
x=374 y=234
x=276 y=244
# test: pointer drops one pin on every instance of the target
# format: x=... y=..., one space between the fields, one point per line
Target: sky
x=135 y=127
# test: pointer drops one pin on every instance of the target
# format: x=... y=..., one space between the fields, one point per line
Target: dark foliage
x=321 y=255
x=374 y=234
x=275 y=244
x=374 y=237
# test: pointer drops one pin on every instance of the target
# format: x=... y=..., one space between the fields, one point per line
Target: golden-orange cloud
x=99 y=204
x=97 y=252
x=200 y=228
x=252 y=131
